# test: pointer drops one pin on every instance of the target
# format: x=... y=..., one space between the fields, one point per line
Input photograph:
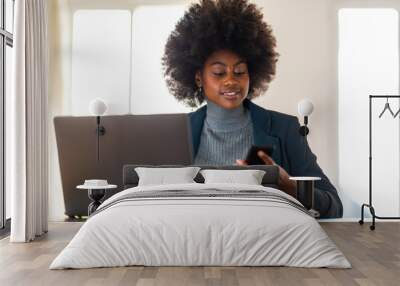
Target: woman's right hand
x=284 y=183
x=241 y=162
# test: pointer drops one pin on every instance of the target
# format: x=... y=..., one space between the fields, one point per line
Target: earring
x=199 y=91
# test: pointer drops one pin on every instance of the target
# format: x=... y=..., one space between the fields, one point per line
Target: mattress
x=201 y=225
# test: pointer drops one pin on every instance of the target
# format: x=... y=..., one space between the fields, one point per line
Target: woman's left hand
x=284 y=183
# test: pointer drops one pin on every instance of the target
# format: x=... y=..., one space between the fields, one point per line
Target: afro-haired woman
x=223 y=53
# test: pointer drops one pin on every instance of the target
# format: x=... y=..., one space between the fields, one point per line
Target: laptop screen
x=156 y=139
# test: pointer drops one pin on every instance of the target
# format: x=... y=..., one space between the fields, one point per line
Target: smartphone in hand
x=252 y=157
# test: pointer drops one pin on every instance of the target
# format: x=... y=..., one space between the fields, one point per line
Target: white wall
x=371 y=34
x=385 y=154
x=306 y=42
x=74 y=68
x=306 y=33
x=60 y=47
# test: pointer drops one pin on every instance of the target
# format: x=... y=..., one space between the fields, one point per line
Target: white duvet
x=200 y=231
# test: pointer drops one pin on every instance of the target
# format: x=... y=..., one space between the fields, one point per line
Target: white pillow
x=163 y=176
x=248 y=177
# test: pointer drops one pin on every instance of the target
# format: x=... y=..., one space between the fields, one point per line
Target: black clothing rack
x=369 y=205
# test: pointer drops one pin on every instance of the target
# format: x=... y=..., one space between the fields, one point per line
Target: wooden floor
x=375 y=257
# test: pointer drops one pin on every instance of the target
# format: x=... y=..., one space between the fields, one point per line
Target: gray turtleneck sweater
x=227 y=135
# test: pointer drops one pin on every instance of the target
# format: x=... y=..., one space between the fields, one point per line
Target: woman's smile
x=234 y=95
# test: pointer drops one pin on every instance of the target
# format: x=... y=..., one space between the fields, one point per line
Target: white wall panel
x=151 y=26
x=368 y=64
x=101 y=55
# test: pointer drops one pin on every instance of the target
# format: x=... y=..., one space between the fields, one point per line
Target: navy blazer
x=291 y=151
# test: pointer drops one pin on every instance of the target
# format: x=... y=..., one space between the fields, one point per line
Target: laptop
x=156 y=139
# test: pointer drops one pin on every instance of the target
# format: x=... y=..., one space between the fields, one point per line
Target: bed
x=201 y=224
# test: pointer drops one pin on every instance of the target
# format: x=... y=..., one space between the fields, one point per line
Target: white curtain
x=28 y=158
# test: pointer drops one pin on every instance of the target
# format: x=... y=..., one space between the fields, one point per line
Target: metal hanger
x=396 y=113
x=387 y=107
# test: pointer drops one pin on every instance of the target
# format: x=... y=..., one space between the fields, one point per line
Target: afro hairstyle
x=212 y=25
